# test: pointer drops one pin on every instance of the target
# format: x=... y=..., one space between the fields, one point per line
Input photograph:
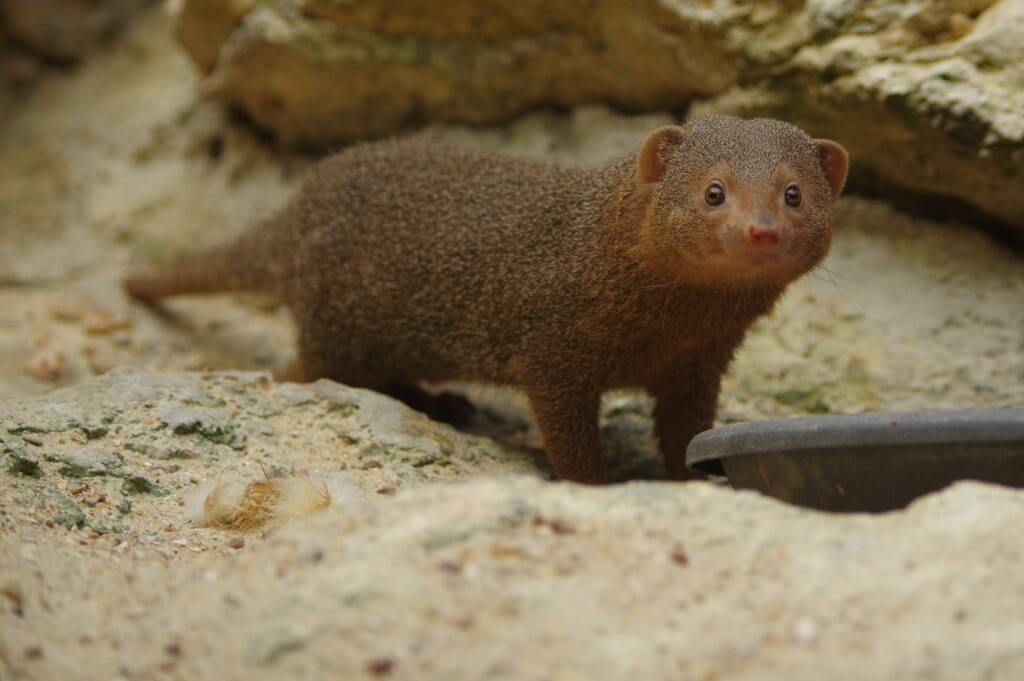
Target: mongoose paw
x=680 y=473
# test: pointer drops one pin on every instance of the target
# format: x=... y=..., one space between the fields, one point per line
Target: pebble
x=236 y=542
x=91 y=460
x=380 y=666
x=805 y=631
x=12 y=591
x=66 y=311
x=680 y=558
x=103 y=322
x=46 y=365
x=121 y=338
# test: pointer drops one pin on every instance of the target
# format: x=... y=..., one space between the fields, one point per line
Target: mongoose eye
x=714 y=195
x=793 y=197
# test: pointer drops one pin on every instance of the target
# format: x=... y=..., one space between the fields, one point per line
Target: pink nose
x=763 y=235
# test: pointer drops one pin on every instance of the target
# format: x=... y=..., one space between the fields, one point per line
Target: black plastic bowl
x=875 y=461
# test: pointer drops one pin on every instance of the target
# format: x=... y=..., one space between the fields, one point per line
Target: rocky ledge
x=927 y=95
x=453 y=558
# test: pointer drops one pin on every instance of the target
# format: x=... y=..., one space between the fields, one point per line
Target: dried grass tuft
x=230 y=505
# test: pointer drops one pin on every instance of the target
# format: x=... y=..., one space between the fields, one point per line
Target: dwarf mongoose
x=404 y=261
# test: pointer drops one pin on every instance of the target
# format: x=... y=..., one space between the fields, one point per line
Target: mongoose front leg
x=678 y=416
x=686 y=402
x=567 y=419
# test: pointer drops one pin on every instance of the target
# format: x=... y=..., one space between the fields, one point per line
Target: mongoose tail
x=252 y=263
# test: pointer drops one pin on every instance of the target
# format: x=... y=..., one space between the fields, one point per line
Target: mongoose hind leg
x=309 y=365
x=567 y=420
x=293 y=372
x=325 y=349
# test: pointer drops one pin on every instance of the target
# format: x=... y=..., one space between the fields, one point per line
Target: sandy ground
x=118 y=163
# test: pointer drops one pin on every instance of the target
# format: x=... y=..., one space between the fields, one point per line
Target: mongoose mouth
x=724 y=264
x=763 y=258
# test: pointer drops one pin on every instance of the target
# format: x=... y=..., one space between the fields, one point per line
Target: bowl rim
x=876 y=429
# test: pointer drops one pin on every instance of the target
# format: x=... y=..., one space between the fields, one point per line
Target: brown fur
x=406 y=262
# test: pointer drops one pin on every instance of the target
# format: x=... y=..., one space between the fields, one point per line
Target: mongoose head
x=736 y=201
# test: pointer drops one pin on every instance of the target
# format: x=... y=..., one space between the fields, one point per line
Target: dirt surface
x=118 y=163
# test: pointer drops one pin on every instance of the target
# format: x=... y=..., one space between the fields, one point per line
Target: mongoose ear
x=657 y=149
x=834 y=163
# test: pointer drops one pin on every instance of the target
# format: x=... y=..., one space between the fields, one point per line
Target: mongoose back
x=404 y=261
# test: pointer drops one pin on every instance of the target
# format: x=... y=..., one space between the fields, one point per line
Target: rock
x=64 y=30
x=44 y=416
x=54 y=415
x=46 y=365
x=22 y=461
x=127 y=387
x=392 y=425
x=457 y=581
x=213 y=424
x=202 y=421
x=138 y=484
x=941 y=83
x=287 y=63
x=205 y=25
x=58 y=507
x=89 y=461
x=785 y=573
x=267 y=646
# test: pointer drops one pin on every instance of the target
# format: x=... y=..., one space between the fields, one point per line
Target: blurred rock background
x=137 y=132
x=36 y=32
x=928 y=96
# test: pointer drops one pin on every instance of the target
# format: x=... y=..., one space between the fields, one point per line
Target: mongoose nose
x=763 y=235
